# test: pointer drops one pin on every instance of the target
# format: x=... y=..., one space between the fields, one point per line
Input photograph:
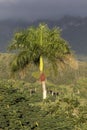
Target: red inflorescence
x=42 y=77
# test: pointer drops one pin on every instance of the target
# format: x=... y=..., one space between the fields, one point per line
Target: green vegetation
x=23 y=110
x=21 y=101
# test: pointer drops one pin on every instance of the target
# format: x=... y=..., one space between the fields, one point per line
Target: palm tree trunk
x=41 y=69
x=42 y=78
x=44 y=89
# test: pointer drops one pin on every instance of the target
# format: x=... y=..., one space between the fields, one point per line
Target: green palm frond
x=20 y=61
x=34 y=42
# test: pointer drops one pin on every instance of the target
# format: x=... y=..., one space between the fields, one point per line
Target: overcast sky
x=37 y=9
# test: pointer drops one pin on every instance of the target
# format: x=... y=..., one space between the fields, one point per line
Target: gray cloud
x=36 y=9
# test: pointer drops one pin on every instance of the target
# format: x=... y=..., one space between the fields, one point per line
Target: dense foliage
x=21 y=110
x=34 y=42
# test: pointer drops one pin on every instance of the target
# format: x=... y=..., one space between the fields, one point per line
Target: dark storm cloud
x=36 y=9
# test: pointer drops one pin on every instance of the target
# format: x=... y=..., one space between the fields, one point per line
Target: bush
x=20 y=111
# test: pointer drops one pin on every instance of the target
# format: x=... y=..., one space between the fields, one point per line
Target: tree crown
x=34 y=42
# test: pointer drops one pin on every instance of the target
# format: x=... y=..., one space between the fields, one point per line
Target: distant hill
x=74 y=30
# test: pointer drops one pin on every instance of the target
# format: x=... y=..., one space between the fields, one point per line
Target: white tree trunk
x=44 y=89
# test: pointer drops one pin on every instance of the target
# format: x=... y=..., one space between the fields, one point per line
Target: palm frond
x=34 y=42
x=20 y=61
x=71 y=61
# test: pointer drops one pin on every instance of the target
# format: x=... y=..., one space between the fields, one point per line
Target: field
x=22 y=106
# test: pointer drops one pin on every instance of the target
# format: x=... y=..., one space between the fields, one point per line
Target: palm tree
x=35 y=44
